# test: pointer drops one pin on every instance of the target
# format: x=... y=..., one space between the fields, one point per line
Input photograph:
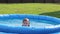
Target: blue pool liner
x=29 y=30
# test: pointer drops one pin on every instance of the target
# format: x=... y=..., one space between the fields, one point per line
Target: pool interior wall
x=36 y=17
x=29 y=30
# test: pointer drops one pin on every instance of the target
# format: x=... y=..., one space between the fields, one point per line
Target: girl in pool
x=26 y=22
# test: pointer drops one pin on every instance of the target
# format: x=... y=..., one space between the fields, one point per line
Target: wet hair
x=26 y=19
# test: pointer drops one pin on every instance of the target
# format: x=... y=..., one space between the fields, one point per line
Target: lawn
x=31 y=8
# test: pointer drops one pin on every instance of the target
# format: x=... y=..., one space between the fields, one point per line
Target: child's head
x=26 y=22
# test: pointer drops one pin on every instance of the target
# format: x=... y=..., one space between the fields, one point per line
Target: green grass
x=55 y=14
x=29 y=8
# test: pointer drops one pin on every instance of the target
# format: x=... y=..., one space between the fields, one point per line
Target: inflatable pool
x=39 y=24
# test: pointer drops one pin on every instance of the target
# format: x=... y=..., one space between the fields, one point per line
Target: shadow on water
x=54 y=14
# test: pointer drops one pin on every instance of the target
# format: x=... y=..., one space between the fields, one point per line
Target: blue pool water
x=33 y=23
x=11 y=24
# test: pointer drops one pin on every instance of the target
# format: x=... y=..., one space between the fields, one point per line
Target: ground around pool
x=31 y=8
